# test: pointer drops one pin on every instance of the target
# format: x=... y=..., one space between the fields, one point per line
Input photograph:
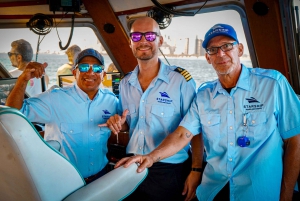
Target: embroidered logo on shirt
x=252 y=100
x=107 y=114
x=164 y=94
x=253 y=104
x=106 y=111
x=164 y=98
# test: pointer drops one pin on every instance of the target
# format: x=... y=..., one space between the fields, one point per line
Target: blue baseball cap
x=219 y=30
x=89 y=52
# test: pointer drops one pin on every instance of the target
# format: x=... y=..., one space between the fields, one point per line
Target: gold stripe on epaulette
x=187 y=76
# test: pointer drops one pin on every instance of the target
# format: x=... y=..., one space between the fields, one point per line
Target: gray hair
x=23 y=48
x=73 y=51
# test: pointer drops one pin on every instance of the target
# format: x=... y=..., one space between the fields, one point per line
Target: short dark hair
x=23 y=48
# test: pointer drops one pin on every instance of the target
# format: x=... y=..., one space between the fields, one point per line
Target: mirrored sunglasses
x=83 y=67
x=149 y=36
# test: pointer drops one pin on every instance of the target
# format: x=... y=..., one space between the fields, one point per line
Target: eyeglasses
x=149 y=36
x=83 y=67
x=226 y=47
x=11 y=53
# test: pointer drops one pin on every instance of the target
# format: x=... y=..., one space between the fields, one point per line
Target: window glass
x=181 y=42
x=49 y=50
x=296 y=8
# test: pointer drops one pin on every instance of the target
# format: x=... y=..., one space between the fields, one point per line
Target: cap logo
x=217 y=26
x=218 y=29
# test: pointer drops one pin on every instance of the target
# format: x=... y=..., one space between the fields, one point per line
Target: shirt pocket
x=72 y=133
x=162 y=112
x=257 y=124
x=131 y=110
x=102 y=136
x=211 y=125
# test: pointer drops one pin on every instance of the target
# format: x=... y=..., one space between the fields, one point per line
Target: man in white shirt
x=20 y=55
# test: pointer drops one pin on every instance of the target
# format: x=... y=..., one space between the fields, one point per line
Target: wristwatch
x=197 y=169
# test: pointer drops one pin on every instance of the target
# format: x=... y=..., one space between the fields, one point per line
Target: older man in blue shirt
x=249 y=125
x=72 y=114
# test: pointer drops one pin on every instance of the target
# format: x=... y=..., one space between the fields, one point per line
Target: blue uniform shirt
x=72 y=119
x=156 y=112
x=269 y=105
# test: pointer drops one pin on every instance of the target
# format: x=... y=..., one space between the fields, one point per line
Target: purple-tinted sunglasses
x=149 y=36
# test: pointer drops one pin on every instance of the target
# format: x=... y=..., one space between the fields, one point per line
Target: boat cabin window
x=6 y=85
x=49 y=50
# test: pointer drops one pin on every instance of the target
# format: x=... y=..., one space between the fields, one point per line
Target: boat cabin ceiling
x=270 y=27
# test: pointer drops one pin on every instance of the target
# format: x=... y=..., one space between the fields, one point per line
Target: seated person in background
x=112 y=68
x=20 y=55
x=72 y=53
x=71 y=115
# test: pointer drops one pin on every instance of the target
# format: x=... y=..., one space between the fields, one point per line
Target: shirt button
x=208 y=122
x=141 y=132
x=162 y=114
x=230 y=111
x=91 y=119
x=140 y=148
x=230 y=127
x=143 y=101
x=231 y=143
x=92 y=135
x=229 y=175
x=253 y=121
x=142 y=117
x=71 y=131
x=92 y=149
x=230 y=159
x=92 y=163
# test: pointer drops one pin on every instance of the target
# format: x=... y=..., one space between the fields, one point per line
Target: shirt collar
x=243 y=82
x=162 y=74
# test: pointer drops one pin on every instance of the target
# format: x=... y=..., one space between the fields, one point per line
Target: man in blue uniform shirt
x=72 y=114
x=155 y=98
x=249 y=126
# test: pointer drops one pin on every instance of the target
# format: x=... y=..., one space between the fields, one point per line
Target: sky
x=180 y=27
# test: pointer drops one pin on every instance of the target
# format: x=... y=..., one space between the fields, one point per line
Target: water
x=200 y=70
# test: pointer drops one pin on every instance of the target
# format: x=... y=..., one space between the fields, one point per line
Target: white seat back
x=31 y=169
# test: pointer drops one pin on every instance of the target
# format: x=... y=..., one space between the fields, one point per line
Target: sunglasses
x=83 y=67
x=149 y=36
x=11 y=53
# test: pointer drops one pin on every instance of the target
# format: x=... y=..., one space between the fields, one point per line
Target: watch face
x=243 y=141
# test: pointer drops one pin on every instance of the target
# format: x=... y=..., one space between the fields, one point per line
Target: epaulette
x=187 y=76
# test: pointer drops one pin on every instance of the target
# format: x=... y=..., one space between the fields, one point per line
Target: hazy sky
x=198 y=25
x=181 y=27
